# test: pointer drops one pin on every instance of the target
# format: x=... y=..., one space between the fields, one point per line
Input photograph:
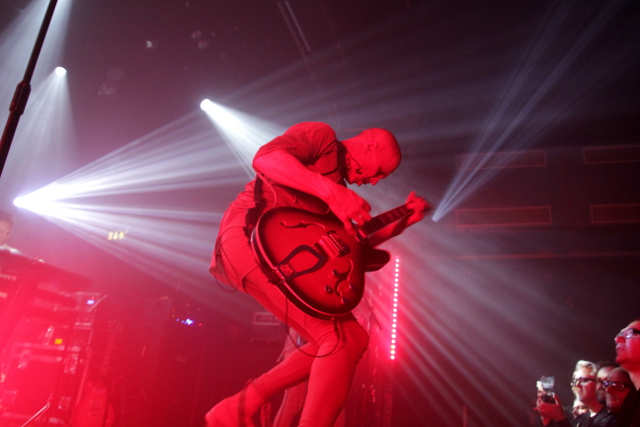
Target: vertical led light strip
x=394 y=313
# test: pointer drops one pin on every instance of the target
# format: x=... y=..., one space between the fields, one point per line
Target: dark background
x=486 y=310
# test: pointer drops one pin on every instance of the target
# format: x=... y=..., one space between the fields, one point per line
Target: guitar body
x=319 y=266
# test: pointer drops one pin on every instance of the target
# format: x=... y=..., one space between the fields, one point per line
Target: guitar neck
x=384 y=219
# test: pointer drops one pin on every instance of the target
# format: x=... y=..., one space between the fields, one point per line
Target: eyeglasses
x=627 y=334
x=618 y=385
x=581 y=381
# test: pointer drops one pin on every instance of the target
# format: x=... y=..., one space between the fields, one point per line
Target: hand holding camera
x=548 y=404
x=549 y=397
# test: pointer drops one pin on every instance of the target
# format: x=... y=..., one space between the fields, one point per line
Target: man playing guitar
x=306 y=168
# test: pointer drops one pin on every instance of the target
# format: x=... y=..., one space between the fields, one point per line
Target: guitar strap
x=254 y=213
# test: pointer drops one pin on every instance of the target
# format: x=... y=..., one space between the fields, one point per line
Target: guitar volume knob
x=334 y=273
x=328 y=289
x=344 y=301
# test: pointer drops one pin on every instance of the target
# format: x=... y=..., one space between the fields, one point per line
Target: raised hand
x=420 y=207
x=552 y=411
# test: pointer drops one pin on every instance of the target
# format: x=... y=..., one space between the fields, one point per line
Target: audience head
x=603 y=370
x=617 y=386
x=583 y=383
x=628 y=350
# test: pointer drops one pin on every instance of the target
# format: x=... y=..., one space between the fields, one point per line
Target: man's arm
x=420 y=208
x=285 y=169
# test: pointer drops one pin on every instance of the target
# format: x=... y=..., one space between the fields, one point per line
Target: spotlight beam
x=501 y=128
x=21 y=95
x=243 y=134
x=123 y=202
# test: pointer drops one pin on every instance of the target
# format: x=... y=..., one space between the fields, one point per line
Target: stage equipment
x=45 y=331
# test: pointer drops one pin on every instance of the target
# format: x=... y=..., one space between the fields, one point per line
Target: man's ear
x=371 y=146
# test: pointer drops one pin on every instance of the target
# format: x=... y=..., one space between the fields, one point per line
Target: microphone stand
x=21 y=95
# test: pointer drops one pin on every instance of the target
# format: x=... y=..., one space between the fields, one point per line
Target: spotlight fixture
x=243 y=133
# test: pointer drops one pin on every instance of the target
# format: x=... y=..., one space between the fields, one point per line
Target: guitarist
x=306 y=168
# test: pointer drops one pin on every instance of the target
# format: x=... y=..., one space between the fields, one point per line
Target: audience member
x=618 y=387
x=603 y=370
x=628 y=356
x=584 y=386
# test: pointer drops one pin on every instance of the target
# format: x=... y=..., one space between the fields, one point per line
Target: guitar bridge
x=333 y=245
x=285 y=269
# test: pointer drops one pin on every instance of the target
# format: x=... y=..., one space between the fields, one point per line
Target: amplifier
x=36 y=375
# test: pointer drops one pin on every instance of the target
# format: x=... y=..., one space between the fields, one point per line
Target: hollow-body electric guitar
x=315 y=262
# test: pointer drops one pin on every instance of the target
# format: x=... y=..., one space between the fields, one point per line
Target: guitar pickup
x=333 y=245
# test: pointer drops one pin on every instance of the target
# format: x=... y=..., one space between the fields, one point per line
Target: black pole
x=21 y=95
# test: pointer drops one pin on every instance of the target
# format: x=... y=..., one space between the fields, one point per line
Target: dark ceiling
x=136 y=65
x=168 y=55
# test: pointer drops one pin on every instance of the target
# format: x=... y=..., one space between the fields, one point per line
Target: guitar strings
x=394 y=214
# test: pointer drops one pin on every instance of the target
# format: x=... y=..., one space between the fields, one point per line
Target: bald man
x=307 y=168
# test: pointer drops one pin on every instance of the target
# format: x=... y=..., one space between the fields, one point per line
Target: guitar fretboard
x=384 y=219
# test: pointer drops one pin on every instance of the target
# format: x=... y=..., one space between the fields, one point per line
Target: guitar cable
x=299 y=347
x=274 y=193
x=260 y=199
x=286 y=318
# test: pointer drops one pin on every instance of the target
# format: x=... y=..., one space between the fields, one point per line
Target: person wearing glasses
x=603 y=371
x=618 y=387
x=583 y=385
x=628 y=356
